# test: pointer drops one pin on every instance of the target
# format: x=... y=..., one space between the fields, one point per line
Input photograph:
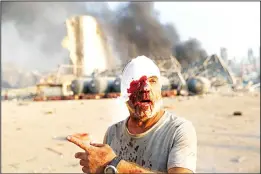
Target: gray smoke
x=138 y=31
x=32 y=33
x=189 y=51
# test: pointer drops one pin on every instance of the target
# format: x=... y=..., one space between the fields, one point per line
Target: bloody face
x=144 y=95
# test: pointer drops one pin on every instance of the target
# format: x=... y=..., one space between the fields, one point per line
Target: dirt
x=34 y=135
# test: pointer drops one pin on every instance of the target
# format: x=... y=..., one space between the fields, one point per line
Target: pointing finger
x=80 y=143
x=82 y=136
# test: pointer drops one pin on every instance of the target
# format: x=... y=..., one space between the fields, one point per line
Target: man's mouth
x=146 y=101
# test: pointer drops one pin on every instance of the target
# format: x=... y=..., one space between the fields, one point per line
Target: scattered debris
x=60 y=144
x=238 y=159
x=73 y=165
x=48 y=112
x=61 y=138
x=14 y=165
x=18 y=129
x=54 y=151
x=31 y=159
x=237 y=113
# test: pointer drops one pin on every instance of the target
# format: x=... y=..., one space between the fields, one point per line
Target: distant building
x=223 y=54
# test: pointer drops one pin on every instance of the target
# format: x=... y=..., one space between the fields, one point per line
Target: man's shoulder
x=177 y=123
x=113 y=130
x=175 y=120
x=116 y=126
x=181 y=130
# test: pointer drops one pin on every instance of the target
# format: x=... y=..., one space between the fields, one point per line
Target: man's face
x=145 y=98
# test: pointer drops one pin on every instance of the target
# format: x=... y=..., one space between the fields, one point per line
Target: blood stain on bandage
x=136 y=85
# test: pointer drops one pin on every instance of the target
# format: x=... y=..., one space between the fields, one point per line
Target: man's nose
x=146 y=86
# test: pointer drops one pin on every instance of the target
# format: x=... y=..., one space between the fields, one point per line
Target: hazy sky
x=234 y=25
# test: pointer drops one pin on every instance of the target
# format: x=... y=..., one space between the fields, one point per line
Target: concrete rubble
x=209 y=76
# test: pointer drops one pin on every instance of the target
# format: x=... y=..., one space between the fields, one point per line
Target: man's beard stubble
x=155 y=110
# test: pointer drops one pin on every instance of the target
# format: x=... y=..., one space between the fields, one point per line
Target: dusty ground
x=31 y=132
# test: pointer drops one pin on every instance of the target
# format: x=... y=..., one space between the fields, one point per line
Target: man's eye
x=153 y=81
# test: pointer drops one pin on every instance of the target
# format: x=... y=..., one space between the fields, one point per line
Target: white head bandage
x=134 y=70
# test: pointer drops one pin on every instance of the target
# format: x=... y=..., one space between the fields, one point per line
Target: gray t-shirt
x=171 y=142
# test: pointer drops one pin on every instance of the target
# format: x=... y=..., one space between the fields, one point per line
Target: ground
x=33 y=133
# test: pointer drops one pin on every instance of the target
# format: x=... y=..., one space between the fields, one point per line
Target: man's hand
x=96 y=156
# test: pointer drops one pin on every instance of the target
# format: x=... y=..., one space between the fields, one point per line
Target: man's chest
x=149 y=152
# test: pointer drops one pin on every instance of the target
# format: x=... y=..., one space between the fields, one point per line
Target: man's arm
x=129 y=167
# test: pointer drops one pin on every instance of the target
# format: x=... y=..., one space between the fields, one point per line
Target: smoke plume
x=138 y=31
x=32 y=33
x=138 y=27
x=31 y=39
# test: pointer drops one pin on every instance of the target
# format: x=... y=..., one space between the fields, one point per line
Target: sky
x=233 y=25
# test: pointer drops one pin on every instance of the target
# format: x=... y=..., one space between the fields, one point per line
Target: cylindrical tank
x=116 y=86
x=198 y=85
x=166 y=85
x=100 y=85
x=80 y=85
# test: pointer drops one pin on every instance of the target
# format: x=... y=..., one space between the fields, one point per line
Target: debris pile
x=209 y=75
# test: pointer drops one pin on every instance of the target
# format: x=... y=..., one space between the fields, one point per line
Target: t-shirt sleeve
x=106 y=137
x=184 y=151
x=109 y=135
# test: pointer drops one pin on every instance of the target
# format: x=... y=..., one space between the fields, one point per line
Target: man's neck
x=138 y=127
